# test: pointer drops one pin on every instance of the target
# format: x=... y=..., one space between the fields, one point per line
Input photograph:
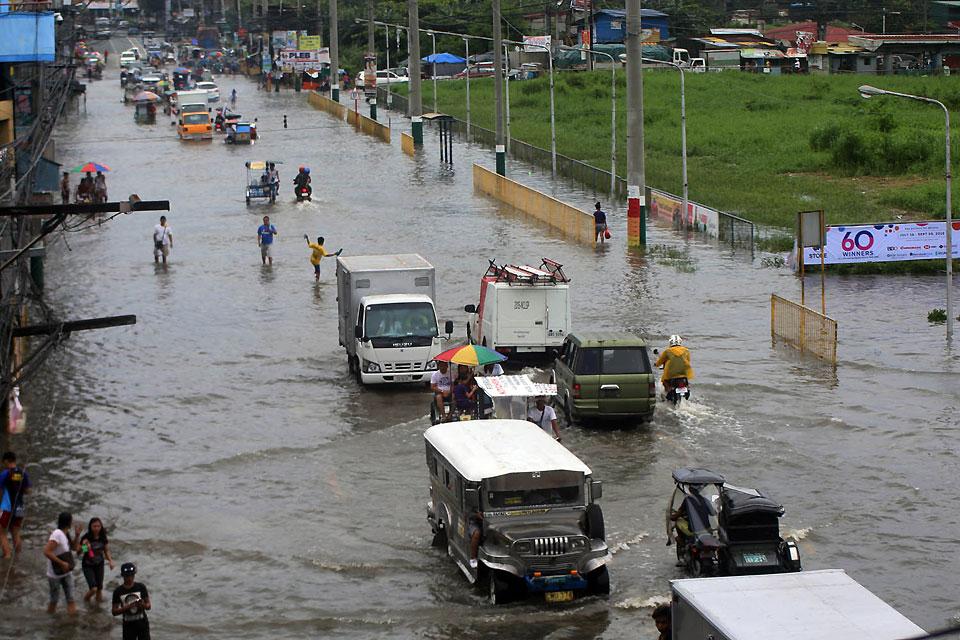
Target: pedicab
x=241 y=133
x=145 y=106
x=258 y=183
x=481 y=405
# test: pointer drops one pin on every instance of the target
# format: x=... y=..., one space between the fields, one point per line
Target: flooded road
x=263 y=494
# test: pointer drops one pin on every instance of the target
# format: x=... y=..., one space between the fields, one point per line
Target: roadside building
x=913 y=53
x=610 y=26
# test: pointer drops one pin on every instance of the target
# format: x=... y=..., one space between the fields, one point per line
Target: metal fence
x=804 y=329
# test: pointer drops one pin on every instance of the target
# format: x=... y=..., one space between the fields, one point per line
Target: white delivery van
x=387 y=318
x=808 y=605
x=524 y=311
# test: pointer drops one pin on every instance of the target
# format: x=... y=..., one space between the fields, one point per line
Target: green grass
x=760 y=147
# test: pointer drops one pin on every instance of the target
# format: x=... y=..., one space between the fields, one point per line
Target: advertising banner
x=667 y=207
x=279 y=40
x=370 y=75
x=542 y=41
x=298 y=60
x=521 y=385
x=266 y=64
x=309 y=43
x=891 y=242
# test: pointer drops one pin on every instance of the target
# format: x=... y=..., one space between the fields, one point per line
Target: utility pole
x=413 y=48
x=334 y=54
x=498 y=89
x=636 y=220
x=319 y=20
x=371 y=51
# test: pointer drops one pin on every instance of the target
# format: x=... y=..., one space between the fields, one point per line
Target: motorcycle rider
x=675 y=362
x=302 y=179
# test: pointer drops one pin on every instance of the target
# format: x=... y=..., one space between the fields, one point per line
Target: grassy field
x=761 y=147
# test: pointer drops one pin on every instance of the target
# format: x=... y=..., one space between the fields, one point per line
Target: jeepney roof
x=481 y=449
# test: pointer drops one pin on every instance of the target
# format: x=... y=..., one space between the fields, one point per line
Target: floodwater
x=263 y=494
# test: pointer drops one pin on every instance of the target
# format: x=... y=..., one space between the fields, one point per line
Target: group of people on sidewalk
x=131 y=599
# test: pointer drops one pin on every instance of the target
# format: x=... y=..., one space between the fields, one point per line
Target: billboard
x=309 y=43
x=299 y=60
x=667 y=207
x=888 y=242
x=536 y=44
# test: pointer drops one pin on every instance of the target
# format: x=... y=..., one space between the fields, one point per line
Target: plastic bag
x=606 y=234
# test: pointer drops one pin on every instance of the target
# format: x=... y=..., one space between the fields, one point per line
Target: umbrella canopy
x=90 y=167
x=146 y=96
x=441 y=58
x=472 y=355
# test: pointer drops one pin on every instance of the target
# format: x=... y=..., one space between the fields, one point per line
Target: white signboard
x=516 y=386
x=892 y=242
x=542 y=41
x=297 y=60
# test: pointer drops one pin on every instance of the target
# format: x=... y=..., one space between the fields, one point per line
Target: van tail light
x=652 y=388
x=576 y=389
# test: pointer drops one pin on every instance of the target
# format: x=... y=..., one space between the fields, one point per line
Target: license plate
x=559 y=596
x=754 y=558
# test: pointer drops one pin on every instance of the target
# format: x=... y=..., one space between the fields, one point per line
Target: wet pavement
x=263 y=494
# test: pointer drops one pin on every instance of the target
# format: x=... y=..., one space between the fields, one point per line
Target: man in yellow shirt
x=318 y=254
x=675 y=361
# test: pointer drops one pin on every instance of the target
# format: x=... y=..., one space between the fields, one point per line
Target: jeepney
x=526 y=502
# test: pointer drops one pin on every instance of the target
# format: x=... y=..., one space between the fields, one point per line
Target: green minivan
x=605 y=375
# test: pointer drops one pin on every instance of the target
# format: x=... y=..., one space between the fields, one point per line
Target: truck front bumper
x=396 y=377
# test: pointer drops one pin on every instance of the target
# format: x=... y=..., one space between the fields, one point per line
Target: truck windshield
x=533 y=497
x=401 y=319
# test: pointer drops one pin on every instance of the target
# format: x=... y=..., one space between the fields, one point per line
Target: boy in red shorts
x=14 y=484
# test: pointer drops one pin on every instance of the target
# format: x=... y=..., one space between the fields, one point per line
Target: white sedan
x=384 y=77
x=213 y=91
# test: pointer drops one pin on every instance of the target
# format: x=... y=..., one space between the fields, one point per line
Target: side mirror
x=358 y=332
x=448 y=327
x=470 y=308
x=596 y=489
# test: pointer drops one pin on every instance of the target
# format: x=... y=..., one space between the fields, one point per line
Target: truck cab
x=524 y=311
x=387 y=318
x=193 y=121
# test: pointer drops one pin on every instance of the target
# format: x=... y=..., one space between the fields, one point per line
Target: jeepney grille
x=555 y=546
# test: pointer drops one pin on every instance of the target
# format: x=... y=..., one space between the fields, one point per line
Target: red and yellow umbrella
x=471 y=355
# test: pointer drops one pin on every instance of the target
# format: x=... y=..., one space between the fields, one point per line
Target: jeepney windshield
x=401 y=320
x=196 y=118
x=533 y=497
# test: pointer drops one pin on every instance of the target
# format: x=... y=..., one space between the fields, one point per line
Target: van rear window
x=532 y=497
x=613 y=361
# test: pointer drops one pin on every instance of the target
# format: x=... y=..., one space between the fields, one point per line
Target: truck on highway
x=809 y=605
x=387 y=318
x=523 y=312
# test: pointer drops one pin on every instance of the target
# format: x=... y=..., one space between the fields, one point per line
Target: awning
x=442 y=58
x=761 y=54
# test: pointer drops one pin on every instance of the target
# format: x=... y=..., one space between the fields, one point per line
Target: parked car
x=605 y=376
x=480 y=70
x=213 y=91
x=384 y=76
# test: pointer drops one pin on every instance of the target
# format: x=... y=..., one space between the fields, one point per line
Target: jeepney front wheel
x=499 y=587
x=598 y=581
x=440 y=537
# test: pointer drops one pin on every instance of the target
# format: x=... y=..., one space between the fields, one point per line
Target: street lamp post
x=466 y=42
x=553 y=119
x=387 y=49
x=683 y=134
x=613 y=113
x=506 y=78
x=433 y=68
x=866 y=91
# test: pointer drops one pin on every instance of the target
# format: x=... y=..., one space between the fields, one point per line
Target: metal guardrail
x=804 y=329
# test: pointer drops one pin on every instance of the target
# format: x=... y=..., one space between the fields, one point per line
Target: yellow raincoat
x=676 y=363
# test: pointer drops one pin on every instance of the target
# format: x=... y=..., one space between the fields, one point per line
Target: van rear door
x=557 y=315
x=522 y=312
x=624 y=381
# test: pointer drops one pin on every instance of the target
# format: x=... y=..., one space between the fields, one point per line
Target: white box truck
x=387 y=318
x=809 y=605
x=524 y=311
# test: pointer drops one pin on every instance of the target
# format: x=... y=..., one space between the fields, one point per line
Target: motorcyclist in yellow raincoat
x=675 y=362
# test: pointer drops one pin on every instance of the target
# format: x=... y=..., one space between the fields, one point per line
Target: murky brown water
x=262 y=494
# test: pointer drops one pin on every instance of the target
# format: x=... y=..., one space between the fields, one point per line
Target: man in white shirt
x=441 y=384
x=544 y=417
x=162 y=240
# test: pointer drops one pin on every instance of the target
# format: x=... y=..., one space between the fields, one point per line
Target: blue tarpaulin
x=26 y=36
x=443 y=58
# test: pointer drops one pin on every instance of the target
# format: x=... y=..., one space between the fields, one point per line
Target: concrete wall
x=572 y=222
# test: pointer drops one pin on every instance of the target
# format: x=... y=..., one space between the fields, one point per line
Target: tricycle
x=259 y=184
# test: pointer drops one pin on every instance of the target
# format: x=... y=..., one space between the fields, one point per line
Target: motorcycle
x=679 y=390
x=303 y=192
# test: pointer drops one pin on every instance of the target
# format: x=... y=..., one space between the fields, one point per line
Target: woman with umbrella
x=100 y=188
x=87 y=189
x=464 y=397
